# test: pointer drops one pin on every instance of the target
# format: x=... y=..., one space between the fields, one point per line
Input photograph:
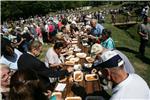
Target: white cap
x=111 y=59
x=108 y=55
x=96 y=48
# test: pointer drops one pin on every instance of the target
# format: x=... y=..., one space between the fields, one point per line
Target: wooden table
x=90 y=86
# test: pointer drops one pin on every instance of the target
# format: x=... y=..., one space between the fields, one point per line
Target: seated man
x=53 y=55
x=96 y=31
x=29 y=61
x=53 y=58
x=96 y=28
x=124 y=86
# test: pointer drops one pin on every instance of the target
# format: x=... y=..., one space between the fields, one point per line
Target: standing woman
x=39 y=33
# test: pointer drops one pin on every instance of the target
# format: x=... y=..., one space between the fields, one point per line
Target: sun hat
x=96 y=49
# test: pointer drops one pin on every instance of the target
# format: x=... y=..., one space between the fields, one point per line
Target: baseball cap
x=111 y=59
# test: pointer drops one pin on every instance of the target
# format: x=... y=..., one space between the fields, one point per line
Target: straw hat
x=96 y=49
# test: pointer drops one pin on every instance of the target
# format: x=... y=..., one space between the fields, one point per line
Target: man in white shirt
x=53 y=60
x=125 y=86
x=53 y=55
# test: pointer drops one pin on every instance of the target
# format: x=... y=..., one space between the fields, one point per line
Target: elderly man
x=97 y=50
x=125 y=86
x=29 y=61
x=96 y=28
x=96 y=31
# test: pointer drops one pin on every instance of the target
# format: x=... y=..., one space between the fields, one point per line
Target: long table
x=89 y=86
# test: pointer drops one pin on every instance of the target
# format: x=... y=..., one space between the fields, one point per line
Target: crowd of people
x=25 y=77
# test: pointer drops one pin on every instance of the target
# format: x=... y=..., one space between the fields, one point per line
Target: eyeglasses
x=6 y=75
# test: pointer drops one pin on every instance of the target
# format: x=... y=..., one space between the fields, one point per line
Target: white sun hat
x=96 y=49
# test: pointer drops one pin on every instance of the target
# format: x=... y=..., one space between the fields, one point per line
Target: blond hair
x=3 y=66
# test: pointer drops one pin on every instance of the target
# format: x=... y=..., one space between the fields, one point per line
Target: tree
x=16 y=9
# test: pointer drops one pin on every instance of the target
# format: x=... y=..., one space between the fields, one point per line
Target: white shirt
x=52 y=57
x=132 y=88
x=12 y=64
x=46 y=28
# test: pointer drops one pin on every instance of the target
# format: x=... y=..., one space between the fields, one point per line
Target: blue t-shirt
x=97 y=31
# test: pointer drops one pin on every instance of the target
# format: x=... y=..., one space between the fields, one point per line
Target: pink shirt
x=38 y=31
x=59 y=25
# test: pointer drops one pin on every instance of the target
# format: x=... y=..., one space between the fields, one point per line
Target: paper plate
x=91 y=77
x=69 y=63
x=76 y=59
x=81 y=55
x=78 y=76
x=89 y=59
